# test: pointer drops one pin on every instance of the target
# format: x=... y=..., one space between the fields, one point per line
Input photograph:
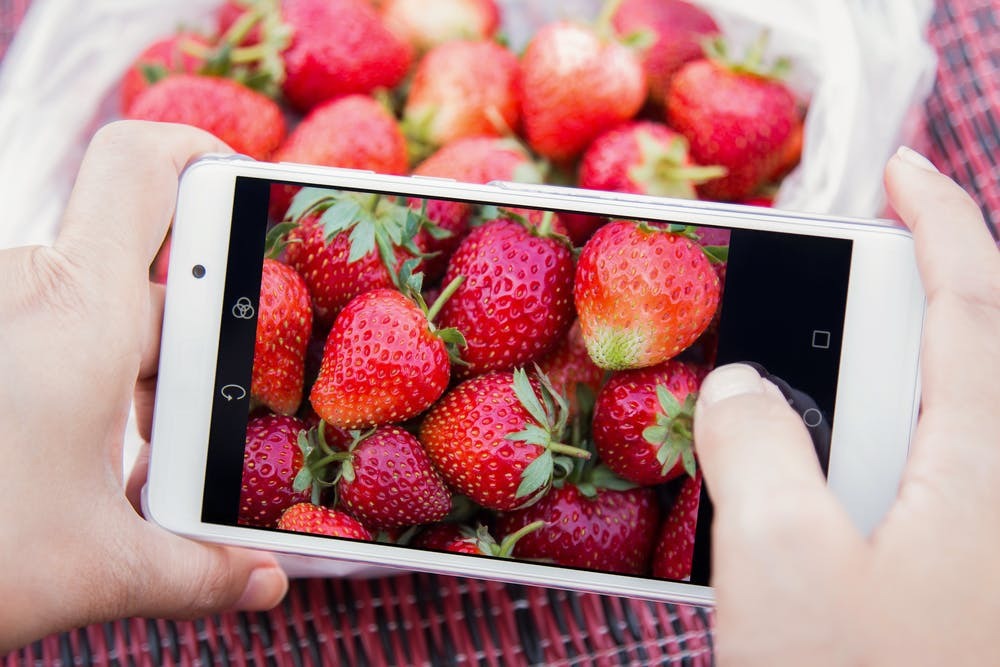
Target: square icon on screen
x=821 y=340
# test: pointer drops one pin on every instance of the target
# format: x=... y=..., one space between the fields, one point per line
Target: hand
x=79 y=325
x=795 y=582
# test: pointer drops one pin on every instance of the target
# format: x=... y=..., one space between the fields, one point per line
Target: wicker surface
x=426 y=619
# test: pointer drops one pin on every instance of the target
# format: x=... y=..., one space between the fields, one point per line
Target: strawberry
x=345 y=244
x=791 y=153
x=385 y=479
x=309 y=518
x=271 y=461
x=674 y=549
x=496 y=438
x=384 y=362
x=643 y=158
x=248 y=121
x=160 y=59
x=568 y=366
x=353 y=132
x=574 y=85
x=643 y=421
x=736 y=115
x=609 y=531
x=339 y=47
x=580 y=226
x=462 y=89
x=284 y=324
x=675 y=29
x=428 y=23
x=476 y=541
x=644 y=293
x=516 y=301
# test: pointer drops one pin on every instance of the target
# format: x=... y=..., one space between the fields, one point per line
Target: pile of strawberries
x=481 y=379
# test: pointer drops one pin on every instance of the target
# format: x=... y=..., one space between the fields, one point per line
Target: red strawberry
x=674 y=549
x=462 y=89
x=339 y=47
x=384 y=362
x=496 y=439
x=158 y=269
x=644 y=158
x=309 y=518
x=271 y=461
x=428 y=23
x=677 y=30
x=386 y=480
x=580 y=226
x=643 y=293
x=738 y=116
x=643 y=423
x=353 y=132
x=339 y=262
x=478 y=541
x=611 y=531
x=574 y=85
x=284 y=324
x=246 y=120
x=160 y=59
x=438 y=536
x=516 y=301
x=568 y=365
x=791 y=153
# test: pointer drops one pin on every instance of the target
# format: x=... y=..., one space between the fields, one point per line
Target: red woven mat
x=430 y=620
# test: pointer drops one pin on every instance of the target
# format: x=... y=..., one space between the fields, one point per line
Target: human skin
x=795 y=582
x=79 y=335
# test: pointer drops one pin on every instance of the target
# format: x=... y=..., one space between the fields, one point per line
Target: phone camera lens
x=198 y=271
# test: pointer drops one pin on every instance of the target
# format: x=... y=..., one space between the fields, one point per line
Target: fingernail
x=728 y=381
x=265 y=588
x=910 y=156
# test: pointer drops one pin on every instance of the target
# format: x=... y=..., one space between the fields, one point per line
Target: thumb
x=754 y=449
x=186 y=579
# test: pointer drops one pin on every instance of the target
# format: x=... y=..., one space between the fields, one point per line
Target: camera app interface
x=497 y=381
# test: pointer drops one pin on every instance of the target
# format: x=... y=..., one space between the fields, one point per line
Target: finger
x=151 y=344
x=181 y=578
x=124 y=195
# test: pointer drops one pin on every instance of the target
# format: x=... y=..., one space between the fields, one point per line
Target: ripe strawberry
x=644 y=158
x=516 y=301
x=580 y=226
x=160 y=59
x=496 y=439
x=284 y=323
x=643 y=421
x=271 y=461
x=791 y=153
x=643 y=293
x=309 y=518
x=574 y=85
x=354 y=132
x=345 y=244
x=462 y=89
x=339 y=47
x=674 y=549
x=610 y=531
x=676 y=29
x=384 y=362
x=476 y=541
x=568 y=366
x=428 y=23
x=739 y=116
x=246 y=120
x=385 y=479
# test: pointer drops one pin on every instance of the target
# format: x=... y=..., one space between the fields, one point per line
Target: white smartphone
x=831 y=309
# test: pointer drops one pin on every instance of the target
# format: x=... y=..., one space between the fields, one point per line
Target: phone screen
x=499 y=382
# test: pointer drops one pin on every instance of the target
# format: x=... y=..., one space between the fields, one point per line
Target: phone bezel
x=870 y=435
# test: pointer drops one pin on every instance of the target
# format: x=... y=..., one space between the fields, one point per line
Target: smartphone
x=439 y=469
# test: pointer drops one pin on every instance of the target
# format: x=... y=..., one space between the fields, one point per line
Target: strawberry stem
x=506 y=547
x=545 y=226
x=446 y=294
x=243 y=25
x=608 y=11
x=568 y=450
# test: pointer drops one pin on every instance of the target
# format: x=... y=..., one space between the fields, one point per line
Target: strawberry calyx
x=412 y=287
x=673 y=430
x=550 y=414
x=322 y=466
x=717 y=254
x=664 y=171
x=277 y=239
x=487 y=544
x=717 y=50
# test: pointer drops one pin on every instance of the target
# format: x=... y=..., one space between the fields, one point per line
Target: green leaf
x=306 y=199
x=717 y=254
x=564 y=466
x=668 y=454
x=451 y=335
x=343 y=215
x=347 y=471
x=489 y=212
x=536 y=475
x=656 y=434
x=303 y=480
x=153 y=72
x=668 y=402
x=604 y=477
x=687 y=457
x=532 y=433
x=587 y=489
x=526 y=395
x=362 y=240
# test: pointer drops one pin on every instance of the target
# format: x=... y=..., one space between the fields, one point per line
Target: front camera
x=198 y=271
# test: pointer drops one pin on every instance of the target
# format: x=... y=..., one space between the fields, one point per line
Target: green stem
x=608 y=11
x=506 y=547
x=445 y=295
x=336 y=456
x=241 y=28
x=545 y=226
x=568 y=450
